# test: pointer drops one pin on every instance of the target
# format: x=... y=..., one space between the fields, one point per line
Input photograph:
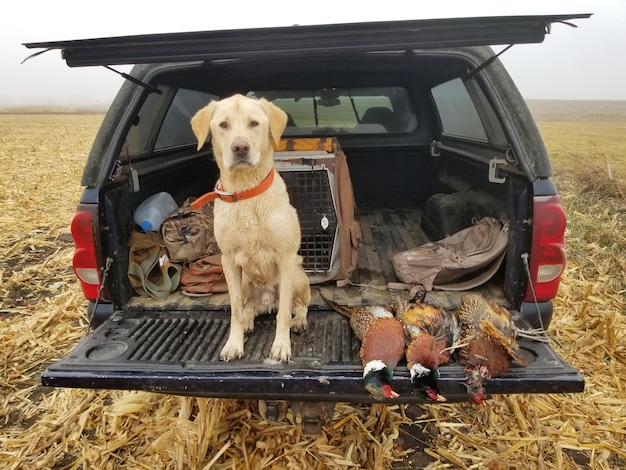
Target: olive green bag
x=150 y=272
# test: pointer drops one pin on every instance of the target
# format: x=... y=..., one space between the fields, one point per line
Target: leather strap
x=225 y=196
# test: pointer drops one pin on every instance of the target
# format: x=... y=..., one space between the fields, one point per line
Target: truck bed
x=174 y=346
x=385 y=232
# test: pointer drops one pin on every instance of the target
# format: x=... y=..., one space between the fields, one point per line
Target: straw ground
x=42 y=316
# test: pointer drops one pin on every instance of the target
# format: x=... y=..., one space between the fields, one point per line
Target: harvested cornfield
x=42 y=316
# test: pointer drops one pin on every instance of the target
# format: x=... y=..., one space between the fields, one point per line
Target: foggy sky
x=572 y=63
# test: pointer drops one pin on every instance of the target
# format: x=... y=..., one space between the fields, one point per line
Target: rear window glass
x=374 y=110
x=457 y=113
x=176 y=128
x=378 y=110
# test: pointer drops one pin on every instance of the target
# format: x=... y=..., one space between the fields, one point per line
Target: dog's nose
x=240 y=147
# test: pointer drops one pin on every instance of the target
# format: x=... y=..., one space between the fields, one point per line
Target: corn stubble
x=42 y=316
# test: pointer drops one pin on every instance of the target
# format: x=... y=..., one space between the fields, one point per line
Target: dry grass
x=42 y=316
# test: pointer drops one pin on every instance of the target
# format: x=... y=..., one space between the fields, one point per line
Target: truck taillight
x=547 y=255
x=85 y=263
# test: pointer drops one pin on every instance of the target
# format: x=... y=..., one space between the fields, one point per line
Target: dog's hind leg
x=301 y=300
x=250 y=307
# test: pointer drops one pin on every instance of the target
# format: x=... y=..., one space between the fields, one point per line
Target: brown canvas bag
x=461 y=261
x=188 y=233
x=203 y=276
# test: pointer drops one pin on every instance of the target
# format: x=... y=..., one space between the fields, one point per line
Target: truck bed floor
x=385 y=232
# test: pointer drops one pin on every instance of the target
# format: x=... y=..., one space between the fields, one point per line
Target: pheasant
x=488 y=343
x=382 y=345
x=431 y=334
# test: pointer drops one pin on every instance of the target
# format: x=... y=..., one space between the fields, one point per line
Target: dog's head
x=241 y=129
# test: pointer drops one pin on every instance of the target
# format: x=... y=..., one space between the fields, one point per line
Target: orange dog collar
x=225 y=196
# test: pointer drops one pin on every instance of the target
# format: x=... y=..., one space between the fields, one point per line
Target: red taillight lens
x=85 y=264
x=547 y=256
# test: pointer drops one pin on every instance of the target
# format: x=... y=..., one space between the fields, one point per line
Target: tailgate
x=178 y=353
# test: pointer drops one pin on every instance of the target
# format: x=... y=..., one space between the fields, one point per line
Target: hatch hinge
x=150 y=88
x=477 y=69
x=494 y=174
x=434 y=148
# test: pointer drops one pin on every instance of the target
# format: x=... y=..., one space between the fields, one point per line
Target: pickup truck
x=420 y=108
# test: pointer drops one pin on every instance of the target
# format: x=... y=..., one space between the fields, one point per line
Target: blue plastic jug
x=152 y=211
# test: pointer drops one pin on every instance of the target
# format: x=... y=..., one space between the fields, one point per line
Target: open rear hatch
x=301 y=41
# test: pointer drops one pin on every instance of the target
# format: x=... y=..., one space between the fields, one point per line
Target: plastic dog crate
x=311 y=186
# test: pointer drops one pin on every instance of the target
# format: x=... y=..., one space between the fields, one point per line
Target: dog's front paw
x=232 y=350
x=281 y=350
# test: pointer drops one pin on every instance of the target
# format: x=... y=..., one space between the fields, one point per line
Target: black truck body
x=468 y=131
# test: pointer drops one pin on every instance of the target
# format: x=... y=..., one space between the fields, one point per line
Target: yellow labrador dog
x=256 y=227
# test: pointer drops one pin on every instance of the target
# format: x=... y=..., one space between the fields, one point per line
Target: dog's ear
x=278 y=120
x=201 y=123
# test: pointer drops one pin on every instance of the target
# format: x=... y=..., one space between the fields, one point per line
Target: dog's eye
x=254 y=123
x=224 y=125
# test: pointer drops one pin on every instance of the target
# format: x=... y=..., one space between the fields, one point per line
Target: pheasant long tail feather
x=537 y=334
x=344 y=310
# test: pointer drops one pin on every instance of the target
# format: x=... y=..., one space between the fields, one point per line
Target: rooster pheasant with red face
x=432 y=333
x=488 y=342
x=382 y=345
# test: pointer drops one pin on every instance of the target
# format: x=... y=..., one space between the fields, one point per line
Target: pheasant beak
x=474 y=383
x=388 y=392
x=478 y=398
x=475 y=392
x=434 y=396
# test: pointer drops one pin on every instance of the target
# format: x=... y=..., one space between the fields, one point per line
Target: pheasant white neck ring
x=373 y=366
